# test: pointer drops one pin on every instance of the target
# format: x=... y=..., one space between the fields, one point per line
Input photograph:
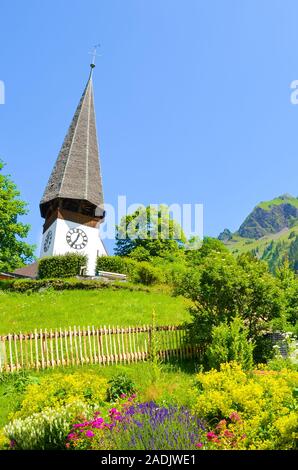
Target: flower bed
x=138 y=426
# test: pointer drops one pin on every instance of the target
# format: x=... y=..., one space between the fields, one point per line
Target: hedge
x=36 y=285
x=116 y=264
x=142 y=272
x=67 y=265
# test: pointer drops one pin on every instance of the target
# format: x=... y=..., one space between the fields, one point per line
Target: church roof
x=76 y=174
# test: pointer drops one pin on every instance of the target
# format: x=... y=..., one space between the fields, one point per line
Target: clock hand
x=72 y=244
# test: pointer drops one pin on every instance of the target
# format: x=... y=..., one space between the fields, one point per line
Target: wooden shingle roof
x=76 y=174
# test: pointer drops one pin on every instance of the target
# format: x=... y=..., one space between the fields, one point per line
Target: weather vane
x=94 y=55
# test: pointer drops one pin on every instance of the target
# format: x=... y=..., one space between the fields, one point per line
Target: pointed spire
x=76 y=174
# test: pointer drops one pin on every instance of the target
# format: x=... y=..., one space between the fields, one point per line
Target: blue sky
x=192 y=98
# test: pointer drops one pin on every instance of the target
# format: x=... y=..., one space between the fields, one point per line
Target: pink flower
x=89 y=433
x=97 y=423
x=113 y=411
x=211 y=436
x=199 y=445
x=228 y=433
x=123 y=395
x=235 y=417
x=222 y=424
x=67 y=445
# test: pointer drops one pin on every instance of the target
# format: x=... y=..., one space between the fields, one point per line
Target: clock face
x=48 y=241
x=76 y=238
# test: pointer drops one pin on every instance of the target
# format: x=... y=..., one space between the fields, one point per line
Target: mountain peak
x=270 y=217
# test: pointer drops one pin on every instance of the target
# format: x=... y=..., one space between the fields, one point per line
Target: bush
x=264 y=399
x=174 y=273
x=230 y=343
x=147 y=274
x=28 y=285
x=59 y=389
x=140 y=254
x=263 y=351
x=67 y=265
x=115 y=264
x=119 y=385
x=46 y=430
x=224 y=287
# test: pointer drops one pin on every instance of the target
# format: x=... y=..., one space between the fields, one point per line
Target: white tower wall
x=54 y=242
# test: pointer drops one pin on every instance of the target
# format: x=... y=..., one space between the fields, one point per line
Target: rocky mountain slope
x=270 y=232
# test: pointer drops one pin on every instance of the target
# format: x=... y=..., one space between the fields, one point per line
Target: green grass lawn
x=54 y=309
x=173 y=384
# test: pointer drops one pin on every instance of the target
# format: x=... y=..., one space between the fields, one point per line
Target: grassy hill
x=270 y=232
x=52 y=309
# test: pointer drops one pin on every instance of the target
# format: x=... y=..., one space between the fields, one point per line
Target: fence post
x=76 y=345
x=41 y=349
x=36 y=349
x=2 y=354
x=90 y=348
x=45 y=345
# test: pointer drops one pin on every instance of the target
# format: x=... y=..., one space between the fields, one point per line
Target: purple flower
x=89 y=433
x=138 y=423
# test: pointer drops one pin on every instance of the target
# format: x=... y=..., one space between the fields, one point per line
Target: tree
x=289 y=284
x=293 y=254
x=224 y=287
x=14 y=252
x=151 y=229
x=210 y=245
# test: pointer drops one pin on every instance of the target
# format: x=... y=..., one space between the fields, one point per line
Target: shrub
x=230 y=343
x=59 y=389
x=119 y=385
x=4 y=441
x=264 y=399
x=140 y=254
x=115 y=264
x=263 y=351
x=45 y=430
x=223 y=287
x=174 y=273
x=228 y=434
x=147 y=274
x=67 y=265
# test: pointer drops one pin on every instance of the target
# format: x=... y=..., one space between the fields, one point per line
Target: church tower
x=72 y=204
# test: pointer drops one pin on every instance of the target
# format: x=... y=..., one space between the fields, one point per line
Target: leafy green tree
x=293 y=254
x=14 y=251
x=224 y=287
x=195 y=257
x=289 y=284
x=151 y=229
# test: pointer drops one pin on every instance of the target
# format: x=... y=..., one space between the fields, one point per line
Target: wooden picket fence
x=105 y=345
